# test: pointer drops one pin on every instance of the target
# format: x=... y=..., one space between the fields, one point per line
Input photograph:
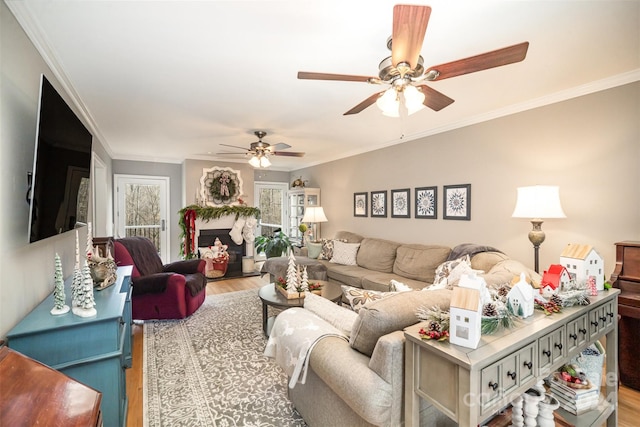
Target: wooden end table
x=271 y=297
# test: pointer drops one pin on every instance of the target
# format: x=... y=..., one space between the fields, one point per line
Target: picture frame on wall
x=400 y=203
x=426 y=202
x=457 y=202
x=360 y=204
x=379 y=204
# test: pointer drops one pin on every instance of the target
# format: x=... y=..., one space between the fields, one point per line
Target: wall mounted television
x=59 y=195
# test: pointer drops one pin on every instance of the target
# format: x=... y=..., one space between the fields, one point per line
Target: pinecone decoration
x=555 y=298
x=435 y=326
x=489 y=310
x=503 y=291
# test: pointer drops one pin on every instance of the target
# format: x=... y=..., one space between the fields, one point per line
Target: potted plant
x=273 y=246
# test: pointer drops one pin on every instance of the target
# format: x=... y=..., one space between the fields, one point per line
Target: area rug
x=209 y=369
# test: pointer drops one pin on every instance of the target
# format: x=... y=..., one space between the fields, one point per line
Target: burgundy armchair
x=171 y=291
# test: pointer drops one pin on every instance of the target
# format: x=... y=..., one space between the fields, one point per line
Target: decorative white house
x=520 y=297
x=582 y=262
x=554 y=279
x=465 y=312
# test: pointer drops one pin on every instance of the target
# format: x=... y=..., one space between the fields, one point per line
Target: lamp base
x=536 y=237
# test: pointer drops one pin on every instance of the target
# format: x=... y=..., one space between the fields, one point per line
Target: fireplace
x=236 y=252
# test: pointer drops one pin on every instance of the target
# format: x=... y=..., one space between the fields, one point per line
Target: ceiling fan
x=259 y=151
x=404 y=72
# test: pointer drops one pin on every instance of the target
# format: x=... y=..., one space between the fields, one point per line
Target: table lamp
x=314 y=215
x=538 y=202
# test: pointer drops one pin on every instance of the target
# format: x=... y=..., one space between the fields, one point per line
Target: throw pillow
x=392 y=314
x=340 y=317
x=327 y=248
x=344 y=253
x=358 y=297
x=454 y=275
x=443 y=270
x=396 y=286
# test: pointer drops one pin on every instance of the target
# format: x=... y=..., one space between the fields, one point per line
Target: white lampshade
x=389 y=103
x=254 y=161
x=538 y=201
x=264 y=162
x=413 y=99
x=314 y=214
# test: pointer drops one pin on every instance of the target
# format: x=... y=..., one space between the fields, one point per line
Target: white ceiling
x=170 y=80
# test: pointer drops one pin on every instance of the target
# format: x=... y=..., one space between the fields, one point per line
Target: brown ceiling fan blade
x=409 y=27
x=234 y=146
x=306 y=75
x=231 y=154
x=279 y=146
x=364 y=104
x=434 y=99
x=484 y=61
x=288 y=153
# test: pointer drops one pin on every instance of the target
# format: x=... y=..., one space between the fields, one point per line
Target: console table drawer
x=577 y=333
x=490 y=386
x=551 y=349
x=527 y=365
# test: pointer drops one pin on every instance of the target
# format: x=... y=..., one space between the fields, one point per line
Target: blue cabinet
x=93 y=350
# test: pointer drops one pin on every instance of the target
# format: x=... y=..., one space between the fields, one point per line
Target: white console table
x=471 y=385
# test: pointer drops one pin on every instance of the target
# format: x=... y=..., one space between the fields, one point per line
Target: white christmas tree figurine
x=59 y=306
x=86 y=303
x=304 y=282
x=89 y=250
x=292 y=274
x=76 y=281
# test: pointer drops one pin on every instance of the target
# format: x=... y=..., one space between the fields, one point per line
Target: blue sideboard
x=93 y=350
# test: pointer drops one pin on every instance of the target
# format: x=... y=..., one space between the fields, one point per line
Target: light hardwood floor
x=629 y=399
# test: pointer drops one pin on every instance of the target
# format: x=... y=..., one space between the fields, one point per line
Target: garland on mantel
x=188 y=217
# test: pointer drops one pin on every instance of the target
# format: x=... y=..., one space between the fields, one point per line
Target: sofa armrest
x=387 y=361
x=346 y=371
x=185 y=266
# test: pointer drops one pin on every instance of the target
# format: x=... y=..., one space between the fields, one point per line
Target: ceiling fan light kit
x=259 y=151
x=404 y=70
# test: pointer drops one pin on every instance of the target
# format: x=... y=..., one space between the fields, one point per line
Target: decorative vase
x=517 y=419
x=545 y=411
x=531 y=399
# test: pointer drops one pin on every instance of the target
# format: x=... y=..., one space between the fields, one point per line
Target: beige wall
x=589 y=146
x=26 y=269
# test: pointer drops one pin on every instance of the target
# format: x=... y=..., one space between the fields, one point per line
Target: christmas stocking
x=236 y=231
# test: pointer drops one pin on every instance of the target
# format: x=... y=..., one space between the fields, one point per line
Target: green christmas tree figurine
x=59 y=297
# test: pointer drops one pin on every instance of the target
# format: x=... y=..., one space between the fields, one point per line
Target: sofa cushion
x=504 y=271
x=345 y=274
x=390 y=314
x=344 y=253
x=377 y=254
x=486 y=260
x=349 y=237
x=419 y=261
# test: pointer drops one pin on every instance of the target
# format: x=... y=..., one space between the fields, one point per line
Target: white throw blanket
x=294 y=334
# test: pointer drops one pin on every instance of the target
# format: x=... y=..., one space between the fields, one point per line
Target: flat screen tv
x=61 y=168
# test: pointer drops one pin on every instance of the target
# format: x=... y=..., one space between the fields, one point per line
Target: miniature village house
x=465 y=312
x=520 y=297
x=554 y=279
x=582 y=262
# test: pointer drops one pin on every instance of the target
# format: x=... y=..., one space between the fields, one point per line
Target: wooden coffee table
x=271 y=297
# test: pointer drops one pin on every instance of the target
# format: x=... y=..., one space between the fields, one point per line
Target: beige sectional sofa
x=379 y=261
x=361 y=382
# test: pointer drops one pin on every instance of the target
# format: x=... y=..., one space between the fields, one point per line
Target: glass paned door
x=142 y=209
x=269 y=197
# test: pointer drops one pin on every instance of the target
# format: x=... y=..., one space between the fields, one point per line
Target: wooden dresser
x=471 y=385
x=93 y=350
x=626 y=277
x=34 y=394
